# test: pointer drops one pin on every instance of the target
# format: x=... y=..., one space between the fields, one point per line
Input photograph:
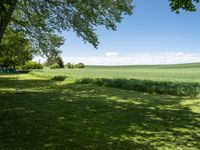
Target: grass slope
x=56 y=115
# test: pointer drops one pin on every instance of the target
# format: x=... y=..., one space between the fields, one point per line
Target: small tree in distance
x=54 y=59
x=60 y=62
x=69 y=65
x=80 y=65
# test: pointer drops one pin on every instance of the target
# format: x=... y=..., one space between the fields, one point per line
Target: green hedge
x=32 y=65
x=59 y=78
x=149 y=86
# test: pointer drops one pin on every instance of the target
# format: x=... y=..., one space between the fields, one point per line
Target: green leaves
x=14 y=49
x=39 y=19
x=187 y=5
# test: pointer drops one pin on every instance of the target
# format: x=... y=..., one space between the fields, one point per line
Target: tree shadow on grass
x=26 y=85
x=76 y=116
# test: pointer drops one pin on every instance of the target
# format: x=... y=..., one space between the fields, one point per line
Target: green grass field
x=180 y=73
x=52 y=115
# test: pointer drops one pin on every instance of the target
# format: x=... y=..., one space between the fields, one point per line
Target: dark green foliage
x=15 y=49
x=32 y=65
x=161 y=87
x=187 y=5
x=59 y=78
x=54 y=66
x=60 y=62
x=54 y=58
x=69 y=65
x=80 y=65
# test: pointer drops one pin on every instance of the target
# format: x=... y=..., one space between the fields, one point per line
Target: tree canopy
x=14 y=49
x=187 y=5
x=41 y=21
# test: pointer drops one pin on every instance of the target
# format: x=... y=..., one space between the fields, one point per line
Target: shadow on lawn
x=13 y=82
x=88 y=117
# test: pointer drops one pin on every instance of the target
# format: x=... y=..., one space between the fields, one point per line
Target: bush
x=69 y=65
x=59 y=78
x=54 y=66
x=171 y=88
x=31 y=65
x=80 y=65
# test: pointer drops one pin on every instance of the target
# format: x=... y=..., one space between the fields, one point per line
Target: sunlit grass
x=178 y=73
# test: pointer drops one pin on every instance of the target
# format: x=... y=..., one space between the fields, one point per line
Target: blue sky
x=152 y=35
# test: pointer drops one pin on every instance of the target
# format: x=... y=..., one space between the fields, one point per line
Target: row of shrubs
x=34 y=65
x=71 y=66
x=149 y=86
x=68 y=65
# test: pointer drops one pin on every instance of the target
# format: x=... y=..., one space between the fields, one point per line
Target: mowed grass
x=46 y=114
x=174 y=73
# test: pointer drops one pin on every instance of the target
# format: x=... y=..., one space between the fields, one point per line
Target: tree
x=80 y=65
x=60 y=62
x=6 y=11
x=15 y=49
x=54 y=58
x=69 y=65
x=187 y=5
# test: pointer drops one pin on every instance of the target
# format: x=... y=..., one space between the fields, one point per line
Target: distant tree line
x=68 y=65
x=71 y=66
x=55 y=61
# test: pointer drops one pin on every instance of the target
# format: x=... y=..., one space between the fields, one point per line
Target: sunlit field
x=179 y=73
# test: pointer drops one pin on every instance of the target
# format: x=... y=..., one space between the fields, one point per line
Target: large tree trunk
x=5 y=16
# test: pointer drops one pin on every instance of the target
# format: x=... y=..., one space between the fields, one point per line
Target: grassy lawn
x=53 y=115
x=61 y=115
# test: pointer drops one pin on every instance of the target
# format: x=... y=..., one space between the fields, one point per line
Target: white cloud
x=114 y=58
x=112 y=54
x=180 y=54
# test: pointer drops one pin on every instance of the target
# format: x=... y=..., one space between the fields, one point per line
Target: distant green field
x=179 y=73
